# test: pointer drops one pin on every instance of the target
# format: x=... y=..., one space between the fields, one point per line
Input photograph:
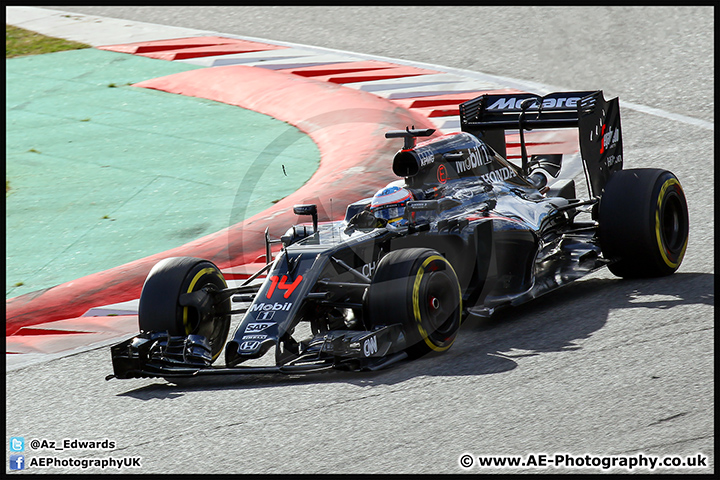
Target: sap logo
x=256 y=327
x=266 y=307
x=514 y=103
x=370 y=346
x=369 y=268
x=477 y=156
x=249 y=346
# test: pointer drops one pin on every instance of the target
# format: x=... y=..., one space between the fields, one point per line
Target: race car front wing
x=157 y=354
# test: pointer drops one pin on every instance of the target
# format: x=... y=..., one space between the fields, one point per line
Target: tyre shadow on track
x=552 y=323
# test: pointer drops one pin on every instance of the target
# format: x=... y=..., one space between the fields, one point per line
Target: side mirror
x=308 y=209
x=294 y=234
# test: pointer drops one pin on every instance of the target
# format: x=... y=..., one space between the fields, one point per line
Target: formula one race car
x=463 y=232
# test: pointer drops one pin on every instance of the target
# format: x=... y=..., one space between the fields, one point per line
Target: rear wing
x=597 y=120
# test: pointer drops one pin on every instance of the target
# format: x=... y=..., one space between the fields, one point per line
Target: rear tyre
x=644 y=223
x=160 y=310
x=418 y=288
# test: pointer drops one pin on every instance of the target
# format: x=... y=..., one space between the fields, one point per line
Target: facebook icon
x=17 y=462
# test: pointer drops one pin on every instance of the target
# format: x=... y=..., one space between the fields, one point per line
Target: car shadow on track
x=552 y=323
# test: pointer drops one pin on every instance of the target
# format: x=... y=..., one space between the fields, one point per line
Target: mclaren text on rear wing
x=597 y=121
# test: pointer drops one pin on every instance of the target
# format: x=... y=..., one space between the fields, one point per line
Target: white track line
x=96 y=30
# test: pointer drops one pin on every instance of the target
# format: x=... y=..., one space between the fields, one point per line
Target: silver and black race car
x=462 y=232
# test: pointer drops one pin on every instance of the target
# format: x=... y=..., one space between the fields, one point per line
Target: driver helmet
x=389 y=203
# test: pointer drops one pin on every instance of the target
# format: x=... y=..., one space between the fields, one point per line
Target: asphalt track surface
x=603 y=367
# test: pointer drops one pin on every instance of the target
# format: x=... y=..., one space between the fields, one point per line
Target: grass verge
x=20 y=42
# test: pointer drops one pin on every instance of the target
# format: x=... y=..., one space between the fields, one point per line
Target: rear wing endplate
x=597 y=121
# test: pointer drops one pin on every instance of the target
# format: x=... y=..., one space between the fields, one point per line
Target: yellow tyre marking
x=658 y=234
x=416 y=302
x=204 y=271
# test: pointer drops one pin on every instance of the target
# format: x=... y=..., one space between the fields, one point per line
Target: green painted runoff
x=100 y=173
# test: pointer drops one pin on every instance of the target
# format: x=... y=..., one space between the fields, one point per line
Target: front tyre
x=417 y=287
x=644 y=223
x=160 y=309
